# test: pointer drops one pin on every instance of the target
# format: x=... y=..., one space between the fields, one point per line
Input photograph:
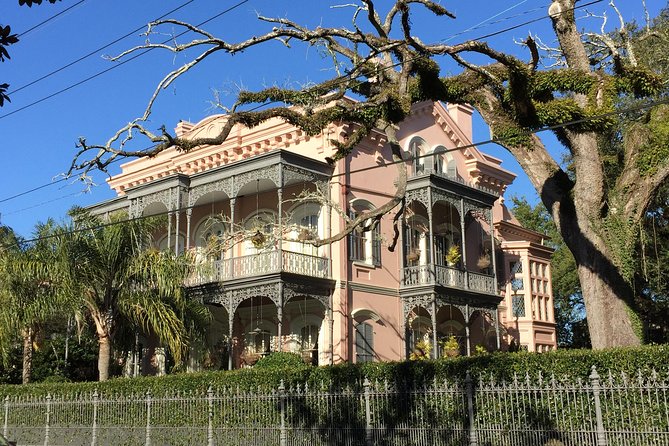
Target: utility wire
x=480 y=25
x=50 y=18
x=119 y=64
x=342 y=81
x=95 y=51
x=365 y=169
x=215 y=17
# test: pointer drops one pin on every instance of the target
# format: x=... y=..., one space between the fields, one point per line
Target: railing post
x=94 y=434
x=469 y=389
x=4 y=426
x=147 y=440
x=210 y=421
x=282 y=405
x=48 y=420
x=596 y=388
x=368 y=414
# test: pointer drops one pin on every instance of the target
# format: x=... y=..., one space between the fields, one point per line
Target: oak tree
x=388 y=67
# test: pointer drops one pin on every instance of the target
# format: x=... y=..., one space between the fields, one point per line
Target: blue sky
x=38 y=142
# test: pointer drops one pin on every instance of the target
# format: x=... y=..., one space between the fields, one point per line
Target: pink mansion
x=463 y=267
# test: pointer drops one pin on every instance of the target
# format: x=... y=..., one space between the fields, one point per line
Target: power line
x=95 y=51
x=119 y=64
x=213 y=18
x=341 y=82
x=50 y=18
x=365 y=169
x=60 y=180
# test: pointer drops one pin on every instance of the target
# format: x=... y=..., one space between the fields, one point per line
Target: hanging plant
x=258 y=239
x=453 y=255
x=414 y=255
x=305 y=234
x=483 y=261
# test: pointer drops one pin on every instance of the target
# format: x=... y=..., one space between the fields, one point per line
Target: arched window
x=446 y=235
x=162 y=243
x=364 y=246
x=365 y=320
x=417 y=149
x=208 y=236
x=306 y=225
x=444 y=163
x=261 y=223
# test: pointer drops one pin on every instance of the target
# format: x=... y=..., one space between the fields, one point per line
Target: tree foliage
x=119 y=279
x=597 y=210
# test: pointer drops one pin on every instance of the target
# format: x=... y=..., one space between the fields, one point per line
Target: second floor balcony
x=259 y=264
x=447 y=276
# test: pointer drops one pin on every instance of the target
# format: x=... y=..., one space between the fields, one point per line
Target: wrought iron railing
x=427 y=170
x=481 y=282
x=265 y=262
x=449 y=277
x=417 y=275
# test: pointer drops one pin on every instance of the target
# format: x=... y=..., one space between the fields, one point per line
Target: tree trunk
x=611 y=321
x=27 y=355
x=608 y=297
x=104 y=356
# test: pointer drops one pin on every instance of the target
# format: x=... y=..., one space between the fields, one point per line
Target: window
x=305 y=226
x=516 y=269
x=518 y=305
x=417 y=148
x=208 y=237
x=365 y=246
x=446 y=236
x=364 y=342
x=262 y=223
x=444 y=164
x=162 y=244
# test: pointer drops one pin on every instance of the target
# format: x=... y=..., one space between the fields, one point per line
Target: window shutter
x=376 y=245
x=364 y=342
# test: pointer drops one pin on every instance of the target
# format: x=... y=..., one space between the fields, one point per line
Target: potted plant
x=450 y=347
x=421 y=351
x=453 y=255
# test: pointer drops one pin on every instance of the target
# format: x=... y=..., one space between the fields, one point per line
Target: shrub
x=279 y=360
x=500 y=366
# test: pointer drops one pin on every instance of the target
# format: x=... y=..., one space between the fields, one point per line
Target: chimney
x=183 y=127
x=462 y=115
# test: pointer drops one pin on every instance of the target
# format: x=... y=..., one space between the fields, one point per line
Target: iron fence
x=610 y=410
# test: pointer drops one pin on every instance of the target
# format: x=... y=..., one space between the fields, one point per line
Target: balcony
x=447 y=276
x=262 y=263
x=427 y=171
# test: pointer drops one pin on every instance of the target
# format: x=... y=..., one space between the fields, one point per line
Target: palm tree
x=29 y=293
x=119 y=279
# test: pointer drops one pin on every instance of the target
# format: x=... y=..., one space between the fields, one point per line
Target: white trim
x=365 y=312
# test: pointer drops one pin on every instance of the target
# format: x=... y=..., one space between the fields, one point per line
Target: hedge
x=500 y=366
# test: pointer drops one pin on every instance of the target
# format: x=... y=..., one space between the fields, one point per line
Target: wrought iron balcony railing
x=449 y=277
x=266 y=262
